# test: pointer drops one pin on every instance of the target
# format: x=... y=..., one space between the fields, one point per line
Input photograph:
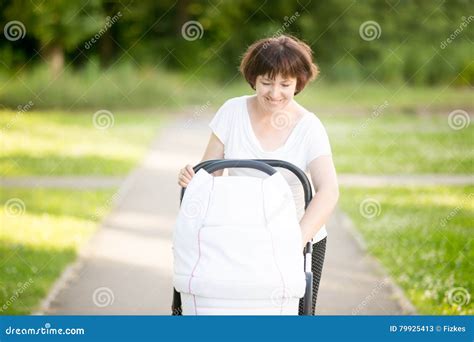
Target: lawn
x=424 y=238
x=56 y=143
x=395 y=143
x=42 y=231
x=364 y=96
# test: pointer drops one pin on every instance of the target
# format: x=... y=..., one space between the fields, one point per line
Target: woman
x=272 y=125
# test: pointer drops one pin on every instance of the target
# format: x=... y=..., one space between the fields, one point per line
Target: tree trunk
x=55 y=59
x=106 y=49
x=181 y=15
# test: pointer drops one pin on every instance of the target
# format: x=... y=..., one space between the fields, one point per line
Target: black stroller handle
x=308 y=193
x=218 y=164
x=239 y=163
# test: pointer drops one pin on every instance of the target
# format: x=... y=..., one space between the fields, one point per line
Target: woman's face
x=274 y=94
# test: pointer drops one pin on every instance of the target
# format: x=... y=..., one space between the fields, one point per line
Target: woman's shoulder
x=230 y=110
x=312 y=121
x=228 y=118
x=234 y=102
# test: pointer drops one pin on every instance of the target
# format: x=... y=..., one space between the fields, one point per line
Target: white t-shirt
x=307 y=141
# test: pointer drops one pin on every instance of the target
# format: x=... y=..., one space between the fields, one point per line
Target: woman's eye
x=264 y=83
x=285 y=85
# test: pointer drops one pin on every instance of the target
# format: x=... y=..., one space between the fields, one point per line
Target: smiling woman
x=272 y=125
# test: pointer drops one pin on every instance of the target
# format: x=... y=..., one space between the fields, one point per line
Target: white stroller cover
x=238 y=238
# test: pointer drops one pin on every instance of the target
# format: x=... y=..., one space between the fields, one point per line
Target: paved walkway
x=127 y=266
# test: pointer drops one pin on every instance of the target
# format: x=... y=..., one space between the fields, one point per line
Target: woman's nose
x=274 y=92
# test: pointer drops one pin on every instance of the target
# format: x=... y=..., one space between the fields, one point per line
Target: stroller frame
x=267 y=166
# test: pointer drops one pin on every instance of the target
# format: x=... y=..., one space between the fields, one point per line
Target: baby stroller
x=207 y=292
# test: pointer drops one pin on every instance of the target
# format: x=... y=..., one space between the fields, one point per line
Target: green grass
x=424 y=238
x=40 y=240
x=353 y=98
x=125 y=86
x=58 y=143
x=399 y=144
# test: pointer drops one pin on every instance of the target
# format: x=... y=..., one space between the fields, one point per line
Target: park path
x=126 y=268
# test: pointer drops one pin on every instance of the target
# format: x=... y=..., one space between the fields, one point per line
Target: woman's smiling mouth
x=273 y=101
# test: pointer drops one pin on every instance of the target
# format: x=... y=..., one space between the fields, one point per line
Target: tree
x=58 y=25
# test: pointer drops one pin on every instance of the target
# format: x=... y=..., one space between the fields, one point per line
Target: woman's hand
x=214 y=150
x=185 y=176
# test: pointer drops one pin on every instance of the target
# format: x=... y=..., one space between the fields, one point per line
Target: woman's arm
x=214 y=150
x=323 y=175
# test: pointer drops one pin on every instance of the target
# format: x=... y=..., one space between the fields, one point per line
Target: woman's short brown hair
x=284 y=55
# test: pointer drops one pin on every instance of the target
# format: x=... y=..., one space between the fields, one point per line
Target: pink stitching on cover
x=199 y=248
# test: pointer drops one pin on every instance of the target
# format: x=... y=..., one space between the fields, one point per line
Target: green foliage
x=65 y=23
x=420 y=42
